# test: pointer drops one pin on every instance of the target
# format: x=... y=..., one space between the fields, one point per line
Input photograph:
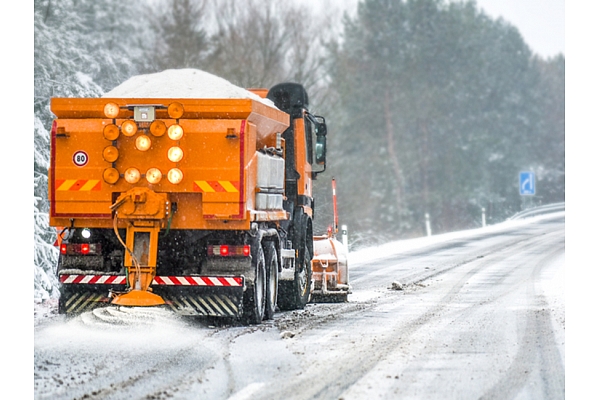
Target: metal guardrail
x=549 y=208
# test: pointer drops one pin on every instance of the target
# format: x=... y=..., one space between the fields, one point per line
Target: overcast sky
x=541 y=22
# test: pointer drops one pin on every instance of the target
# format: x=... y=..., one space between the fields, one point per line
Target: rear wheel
x=295 y=294
x=272 y=279
x=304 y=278
x=254 y=297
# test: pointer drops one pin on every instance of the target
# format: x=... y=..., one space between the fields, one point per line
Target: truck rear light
x=111 y=176
x=111 y=132
x=129 y=128
x=175 y=176
x=81 y=249
x=175 y=110
x=153 y=175
x=85 y=248
x=111 y=110
x=226 y=250
x=246 y=250
x=110 y=154
x=175 y=132
x=143 y=143
x=158 y=128
x=175 y=154
x=132 y=175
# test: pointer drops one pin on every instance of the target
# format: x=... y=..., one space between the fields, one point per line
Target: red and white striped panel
x=158 y=280
x=198 y=280
x=93 y=279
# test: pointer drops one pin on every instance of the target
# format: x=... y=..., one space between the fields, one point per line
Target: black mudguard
x=185 y=295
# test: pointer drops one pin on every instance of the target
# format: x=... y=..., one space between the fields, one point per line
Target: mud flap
x=220 y=301
x=185 y=295
x=79 y=298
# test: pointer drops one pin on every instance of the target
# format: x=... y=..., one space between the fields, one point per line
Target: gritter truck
x=201 y=205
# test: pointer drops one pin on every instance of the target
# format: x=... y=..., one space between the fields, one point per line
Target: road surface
x=480 y=315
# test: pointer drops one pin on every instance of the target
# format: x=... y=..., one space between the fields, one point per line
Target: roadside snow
x=400 y=246
x=182 y=83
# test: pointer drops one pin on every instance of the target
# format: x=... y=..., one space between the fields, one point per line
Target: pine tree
x=74 y=56
x=438 y=115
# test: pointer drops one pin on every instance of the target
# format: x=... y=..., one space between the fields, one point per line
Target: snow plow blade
x=185 y=295
x=329 y=271
x=340 y=296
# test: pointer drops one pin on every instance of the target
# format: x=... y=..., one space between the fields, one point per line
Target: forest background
x=433 y=107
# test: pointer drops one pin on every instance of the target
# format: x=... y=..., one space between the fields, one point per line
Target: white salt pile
x=184 y=84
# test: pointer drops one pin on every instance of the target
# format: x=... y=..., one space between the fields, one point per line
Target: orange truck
x=204 y=206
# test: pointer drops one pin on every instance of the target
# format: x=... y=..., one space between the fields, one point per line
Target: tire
x=303 y=279
x=295 y=294
x=254 y=297
x=272 y=272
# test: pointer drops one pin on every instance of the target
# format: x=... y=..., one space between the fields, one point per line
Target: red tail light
x=81 y=249
x=226 y=250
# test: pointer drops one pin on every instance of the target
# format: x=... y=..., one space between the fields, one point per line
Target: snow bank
x=390 y=249
x=182 y=83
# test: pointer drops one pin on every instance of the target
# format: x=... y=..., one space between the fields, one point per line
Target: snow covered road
x=459 y=316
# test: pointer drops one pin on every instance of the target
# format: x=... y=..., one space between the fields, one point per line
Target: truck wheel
x=295 y=294
x=303 y=279
x=254 y=297
x=272 y=270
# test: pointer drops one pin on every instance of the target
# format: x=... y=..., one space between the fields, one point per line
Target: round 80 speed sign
x=80 y=158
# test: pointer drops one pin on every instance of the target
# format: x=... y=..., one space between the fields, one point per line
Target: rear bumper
x=219 y=296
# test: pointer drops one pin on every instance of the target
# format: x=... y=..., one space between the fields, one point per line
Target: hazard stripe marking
x=216 y=305
x=203 y=186
x=82 y=185
x=228 y=186
x=90 y=185
x=217 y=309
x=93 y=279
x=216 y=186
x=197 y=306
x=211 y=304
x=234 y=281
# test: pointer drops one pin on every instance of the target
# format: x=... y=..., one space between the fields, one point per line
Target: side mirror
x=321 y=144
x=320 y=126
x=321 y=150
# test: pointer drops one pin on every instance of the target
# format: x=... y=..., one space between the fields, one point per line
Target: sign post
x=527 y=184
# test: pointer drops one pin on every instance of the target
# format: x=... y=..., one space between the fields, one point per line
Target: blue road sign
x=527 y=183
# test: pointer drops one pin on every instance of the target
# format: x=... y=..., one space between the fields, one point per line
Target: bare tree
x=266 y=42
x=181 y=40
x=248 y=46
